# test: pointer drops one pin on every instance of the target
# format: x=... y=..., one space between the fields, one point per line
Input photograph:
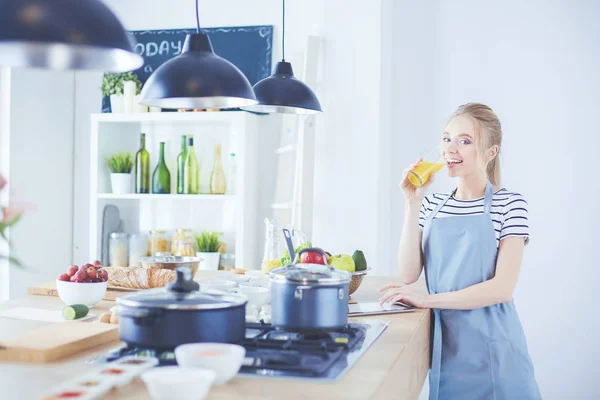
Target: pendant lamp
x=64 y=34
x=282 y=92
x=197 y=78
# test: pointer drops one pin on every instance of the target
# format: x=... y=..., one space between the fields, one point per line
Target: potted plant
x=112 y=87
x=209 y=244
x=120 y=166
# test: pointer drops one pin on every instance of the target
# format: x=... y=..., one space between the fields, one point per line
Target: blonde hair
x=488 y=132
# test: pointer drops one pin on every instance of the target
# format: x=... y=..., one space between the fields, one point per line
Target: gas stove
x=275 y=353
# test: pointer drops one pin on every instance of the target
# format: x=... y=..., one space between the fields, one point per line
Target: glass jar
x=138 y=248
x=184 y=243
x=273 y=252
x=118 y=249
x=158 y=242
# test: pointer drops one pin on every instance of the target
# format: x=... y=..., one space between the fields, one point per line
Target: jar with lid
x=118 y=249
x=138 y=248
x=273 y=251
x=158 y=242
x=184 y=243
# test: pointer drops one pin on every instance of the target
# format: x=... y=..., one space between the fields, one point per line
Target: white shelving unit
x=233 y=214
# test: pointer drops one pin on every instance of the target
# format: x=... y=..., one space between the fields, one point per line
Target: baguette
x=139 y=277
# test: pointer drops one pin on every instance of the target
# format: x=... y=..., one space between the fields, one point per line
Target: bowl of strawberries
x=84 y=284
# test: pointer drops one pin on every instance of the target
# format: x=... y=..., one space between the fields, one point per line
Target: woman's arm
x=497 y=290
x=410 y=261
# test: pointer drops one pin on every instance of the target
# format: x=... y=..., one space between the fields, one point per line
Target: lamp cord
x=283 y=34
x=197 y=17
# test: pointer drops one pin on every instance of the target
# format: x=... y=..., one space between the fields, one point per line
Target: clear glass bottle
x=184 y=243
x=138 y=248
x=232 y=174
x=118 y=250
x=273 y=252
x=158 y=242
x=191 y=172
x=217 y=177
x=181 y=164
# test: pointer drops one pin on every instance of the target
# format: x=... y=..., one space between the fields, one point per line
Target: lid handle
x=317 y=250
x=183 y=281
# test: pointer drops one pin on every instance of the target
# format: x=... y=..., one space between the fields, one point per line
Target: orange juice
x=420 y=174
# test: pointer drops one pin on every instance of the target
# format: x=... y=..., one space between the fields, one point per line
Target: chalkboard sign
x=248 y=47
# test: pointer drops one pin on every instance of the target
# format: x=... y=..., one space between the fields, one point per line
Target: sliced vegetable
x=75 y=311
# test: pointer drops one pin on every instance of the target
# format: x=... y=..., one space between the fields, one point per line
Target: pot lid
x=310 y=274
x=166 y=299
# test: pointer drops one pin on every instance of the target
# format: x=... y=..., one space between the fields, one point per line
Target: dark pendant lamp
x=197 y=78
x=282 y=92
x=64 y=34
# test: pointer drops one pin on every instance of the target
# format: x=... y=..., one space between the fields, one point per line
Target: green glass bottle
x=142 y=167
x=161 y=178
x=181 y=164
x=190 y=170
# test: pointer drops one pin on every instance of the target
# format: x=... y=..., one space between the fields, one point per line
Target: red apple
x=73 y=279
x=72 y=270
x=97 y=264
x=91 y=272
x=103 y=274
x=80 y=276
x=64 y=277
x=96 y=280
x=311 y=257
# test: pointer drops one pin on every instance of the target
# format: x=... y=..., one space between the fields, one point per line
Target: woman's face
x=459 y=148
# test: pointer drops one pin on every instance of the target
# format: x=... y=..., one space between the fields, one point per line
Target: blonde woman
x=470 y=243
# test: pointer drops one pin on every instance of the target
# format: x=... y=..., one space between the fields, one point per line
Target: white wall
x=536 y=64
x=40 y=172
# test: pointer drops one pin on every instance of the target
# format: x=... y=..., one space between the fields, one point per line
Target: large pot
x=166 y=318
x=309 y=297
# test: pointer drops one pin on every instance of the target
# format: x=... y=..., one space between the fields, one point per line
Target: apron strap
x=439 y=206
x=487 y=202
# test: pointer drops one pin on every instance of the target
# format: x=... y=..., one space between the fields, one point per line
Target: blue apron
x=476 y=354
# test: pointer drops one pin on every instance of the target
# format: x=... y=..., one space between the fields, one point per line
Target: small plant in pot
x=120 y=166
x=209 y=244
x=112 y=87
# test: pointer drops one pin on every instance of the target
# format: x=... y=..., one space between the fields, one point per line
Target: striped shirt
x=508 y=212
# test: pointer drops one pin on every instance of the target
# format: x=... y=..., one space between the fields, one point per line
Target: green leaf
x=208 y=242
x=120 y=163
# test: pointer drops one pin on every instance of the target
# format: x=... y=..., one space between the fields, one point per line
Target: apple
x=343 y=262
x=311 y=257
x=73 y=279
x=91 y=272
x=81 y=276
x=64 y=277
x=97 y=264
x=72 y=270
x=103 y=274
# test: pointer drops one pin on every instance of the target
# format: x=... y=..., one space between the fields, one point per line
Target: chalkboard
x=249 y=48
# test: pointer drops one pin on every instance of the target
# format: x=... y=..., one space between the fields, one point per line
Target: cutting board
x=49 y=289
x=56 y=341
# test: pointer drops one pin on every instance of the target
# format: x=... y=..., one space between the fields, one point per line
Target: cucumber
x=75 y=311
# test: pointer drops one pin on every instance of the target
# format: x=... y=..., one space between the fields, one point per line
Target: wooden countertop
x=395 y=366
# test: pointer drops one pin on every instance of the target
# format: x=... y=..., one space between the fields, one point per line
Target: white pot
x=210 y=261
x=117 y=103
x=129 y=88
x=121 y=183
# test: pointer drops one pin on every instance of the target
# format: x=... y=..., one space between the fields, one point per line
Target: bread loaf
x=139 y=277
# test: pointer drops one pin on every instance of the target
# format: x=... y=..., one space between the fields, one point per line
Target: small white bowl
x=256 y=295
x=217 y=284
x=223 y=359
x=254 y=273
x=166 y=383
x=88 y=294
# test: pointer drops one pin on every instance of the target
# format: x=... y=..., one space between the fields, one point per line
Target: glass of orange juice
x=419 y=175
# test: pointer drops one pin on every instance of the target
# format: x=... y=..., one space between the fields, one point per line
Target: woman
x=470 y=243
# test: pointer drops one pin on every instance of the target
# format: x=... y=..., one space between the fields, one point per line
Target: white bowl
x=256 y=295
x=167 y=383
x=88 y=294
x=254 y=273
x=217 y=284
x=222 y=358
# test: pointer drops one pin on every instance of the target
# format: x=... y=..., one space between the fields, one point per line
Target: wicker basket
x=357 y=278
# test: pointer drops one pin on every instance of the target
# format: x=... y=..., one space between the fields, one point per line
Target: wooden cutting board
x=56 y=341
x=49 y=289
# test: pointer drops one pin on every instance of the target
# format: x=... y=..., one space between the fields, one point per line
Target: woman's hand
x=412 y=194
x=404 y=294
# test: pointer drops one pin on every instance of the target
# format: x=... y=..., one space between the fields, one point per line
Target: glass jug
x=273 y=250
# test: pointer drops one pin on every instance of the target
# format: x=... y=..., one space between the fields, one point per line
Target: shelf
x=150 y=196
x=168 y=117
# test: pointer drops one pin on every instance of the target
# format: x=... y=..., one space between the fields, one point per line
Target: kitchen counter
x=395 y=366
